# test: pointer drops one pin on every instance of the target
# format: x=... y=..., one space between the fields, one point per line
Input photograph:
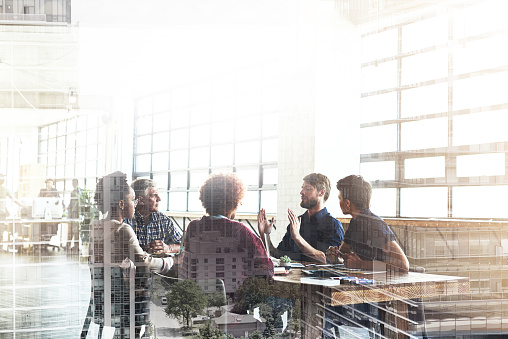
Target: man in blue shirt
x=309 y=235
x=155 y=230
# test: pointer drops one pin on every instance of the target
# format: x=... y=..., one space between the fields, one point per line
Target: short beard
x=309 y=204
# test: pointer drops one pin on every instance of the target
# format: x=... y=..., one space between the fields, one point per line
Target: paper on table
x=320 y=281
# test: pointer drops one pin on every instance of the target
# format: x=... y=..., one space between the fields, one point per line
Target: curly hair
x=221 y=193
x=110 y=190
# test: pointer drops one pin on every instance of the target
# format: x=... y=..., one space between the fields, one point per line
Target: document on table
x=320 y=281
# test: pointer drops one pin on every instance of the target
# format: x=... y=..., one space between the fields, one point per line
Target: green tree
x=184 y=300
x=216 y=300
x=256 y=335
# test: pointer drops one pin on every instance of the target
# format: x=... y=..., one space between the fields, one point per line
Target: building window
x=219 y=275
x=219 y=261
x=432 y=115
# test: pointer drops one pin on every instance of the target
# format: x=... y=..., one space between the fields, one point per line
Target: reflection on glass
x=270 y=150
x=177 y=201
x=379 y=170
x=379 y=139
x=160 y=161
x=269 y=201
x=199 y=157
x=430 y=167
x=142 y=163
x=383 y=201
x=467 y=202
x=420 y=202
x=415 y=134
x=178 y=159
x=144 y=144
x=424 y=100
x=247 y=152
x=481 y=164
x=379 y=107
x=270 y=176
x=178 y=180
x=488 y=127
x=160 y=142
x=222 y=155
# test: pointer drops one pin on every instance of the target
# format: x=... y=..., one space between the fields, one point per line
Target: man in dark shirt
x=310 y=234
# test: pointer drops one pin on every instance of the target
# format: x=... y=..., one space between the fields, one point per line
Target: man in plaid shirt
x=155 y=231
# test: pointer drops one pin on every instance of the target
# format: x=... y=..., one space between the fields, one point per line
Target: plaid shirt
x=160 y=227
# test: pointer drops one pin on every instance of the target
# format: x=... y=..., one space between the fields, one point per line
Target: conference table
x=398 y=291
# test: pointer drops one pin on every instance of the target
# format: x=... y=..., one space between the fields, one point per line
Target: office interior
x=409 y=94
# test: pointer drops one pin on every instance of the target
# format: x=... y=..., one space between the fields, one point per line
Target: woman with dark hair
x=216 y=246
x=120 y=268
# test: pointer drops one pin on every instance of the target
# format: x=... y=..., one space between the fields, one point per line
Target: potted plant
x=285 y=261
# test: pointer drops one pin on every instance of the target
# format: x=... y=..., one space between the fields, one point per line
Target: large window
x=434 y=111
x=225 y=124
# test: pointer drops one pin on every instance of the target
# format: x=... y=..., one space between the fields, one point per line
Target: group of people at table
x=130 y=215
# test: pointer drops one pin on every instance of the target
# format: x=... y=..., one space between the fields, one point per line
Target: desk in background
x=316 y=298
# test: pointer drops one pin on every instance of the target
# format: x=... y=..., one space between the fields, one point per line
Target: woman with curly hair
x=120 y=268
x=219 y=246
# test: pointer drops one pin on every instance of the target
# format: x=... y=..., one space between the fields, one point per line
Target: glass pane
x=223 y=132
x=180 y=118
x=378 y=77
x=248 y=104
x=200 y=114
x=422 y=134
x=488 y=127
x=480 y=91
x=270 y=102
x=270 y=176
x=163 y=204
x=178 y=180
x=161 y=122
x=194 y=203
x=269 y=201
x=200 y=135
x=379 y=139
x=52 y=145
x=382 y=170
x=380 y=45
x=179 y=138
x=248 y=128
x=144 y=125
x=270 y=150
x=480 y=202
x=91 y=152
x=425 y=33
x=60 y=171
x=383 y=201
x=379 y=107
x=143 y=163
x=81 y=138
x=199 y=157
x=481 y=54
x=60 y=157
x=69 y=171
x=161 y=103
x=247 y=152
x=425 y=66
x=424 y=100
x=197 y=178
x=181 y=97
x=71 y=125
x=91 y=168
x=481 y=164
x=81 y=123
x=482 y=18
x=250 y=203
x=222 y=155
x=435 y=200
x=161 y=142
x=144 y=144
x=60 y=143
x=144 y=106
x=44 y=133
x=431 y=167
x=80 y=169
x=270 y=125
x=178 y=159
x=43 y=146
x=81 y=153
x=177 y=201
x=160 y=161
x=71 y=140
x=249 y=177
x=223 y=108
x=52 y=130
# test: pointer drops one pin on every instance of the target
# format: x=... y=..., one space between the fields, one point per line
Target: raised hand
x=264 y=226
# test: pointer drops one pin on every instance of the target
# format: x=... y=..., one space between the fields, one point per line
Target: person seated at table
x=310 y=234
x=118 y=262
x=221 y=242
x=368 y=238
x=50 y=190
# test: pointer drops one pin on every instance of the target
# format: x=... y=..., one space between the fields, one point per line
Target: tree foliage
x=184 y=300
x=216 y=299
